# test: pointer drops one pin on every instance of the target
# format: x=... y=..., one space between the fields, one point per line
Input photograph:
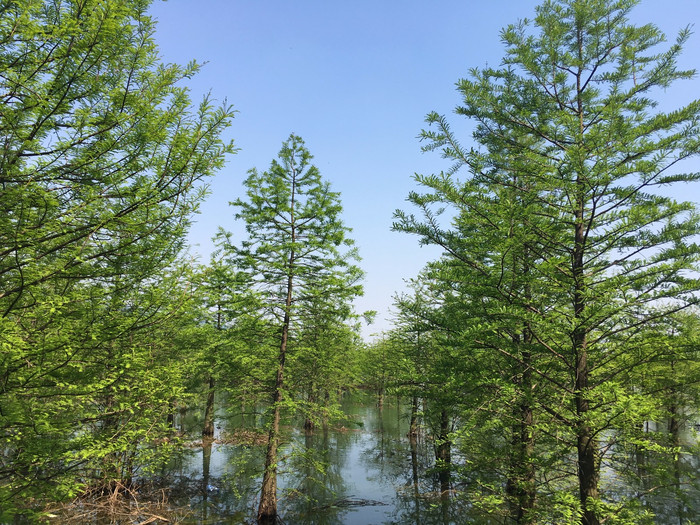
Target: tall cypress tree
x=102 y=156
x=569 y=127
x=298 y=255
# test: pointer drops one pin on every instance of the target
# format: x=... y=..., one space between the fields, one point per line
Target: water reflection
x=373 y=470
x=364 y=472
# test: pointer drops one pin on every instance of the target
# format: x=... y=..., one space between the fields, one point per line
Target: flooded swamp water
x=365 y=471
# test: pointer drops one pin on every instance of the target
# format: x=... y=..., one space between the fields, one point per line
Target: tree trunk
x=521 y=487
x=206 y=469
x=208 y=430
x=309 y=425
x=413 y=442
x=587 y=446
x=413 y=429
x=267 y=510
x=674 y=426
x=443 y=452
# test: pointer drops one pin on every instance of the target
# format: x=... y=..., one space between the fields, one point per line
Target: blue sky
x=355 y=81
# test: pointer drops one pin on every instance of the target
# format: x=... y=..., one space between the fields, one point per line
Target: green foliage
x=297 y=259
x=560 y=252
x=299 y=262
x=102 y=159
x=295 y=230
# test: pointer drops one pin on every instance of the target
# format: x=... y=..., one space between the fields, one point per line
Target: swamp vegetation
x=544 y=369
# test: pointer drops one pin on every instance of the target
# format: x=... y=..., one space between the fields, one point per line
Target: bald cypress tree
x=298 y=256
x=569 y=133
x=102 y=158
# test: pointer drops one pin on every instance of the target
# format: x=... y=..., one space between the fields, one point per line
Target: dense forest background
x=555 y=338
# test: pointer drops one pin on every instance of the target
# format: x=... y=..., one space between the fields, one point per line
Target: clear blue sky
x=355 y=79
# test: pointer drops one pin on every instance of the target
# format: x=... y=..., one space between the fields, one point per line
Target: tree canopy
x=103 y=156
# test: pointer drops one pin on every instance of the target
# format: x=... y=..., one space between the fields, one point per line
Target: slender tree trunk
x=673 y=421
x=327 y=397
x=443 y=451
x=267 y=510
x=674 y=426
x=208 y=430
x=182 y=412
x=206 y=469
x=308 y=421
x=587 y=445
x=413 y=428
x=413 y=441
x=521 y=487
x=675 y=437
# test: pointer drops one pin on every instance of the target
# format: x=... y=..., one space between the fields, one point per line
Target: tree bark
x=587 y=445
x=413 y=429
x=521 y=486
x=443 y=454
x=208 y=430
x=309 y=425
x=267 y=510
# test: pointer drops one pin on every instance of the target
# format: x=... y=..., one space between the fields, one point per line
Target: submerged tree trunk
x=208 y=430
x=413 y=442
x=309 y=425
x=206 y=469
x=443 y=452
x=267 y=510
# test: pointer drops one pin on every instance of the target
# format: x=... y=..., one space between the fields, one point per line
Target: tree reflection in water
x=372 y=470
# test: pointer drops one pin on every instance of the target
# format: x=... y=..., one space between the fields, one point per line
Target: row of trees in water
x=557 y=325
x=560 y=319
x=108 y=329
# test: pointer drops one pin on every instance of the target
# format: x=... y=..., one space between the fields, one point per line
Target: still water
x=362 y=473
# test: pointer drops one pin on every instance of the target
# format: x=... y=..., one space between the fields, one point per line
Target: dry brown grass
x=117 y=504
